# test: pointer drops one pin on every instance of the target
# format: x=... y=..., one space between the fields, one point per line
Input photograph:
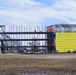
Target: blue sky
x=37 y=12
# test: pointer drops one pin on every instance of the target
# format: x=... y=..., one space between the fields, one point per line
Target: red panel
x=50 y=29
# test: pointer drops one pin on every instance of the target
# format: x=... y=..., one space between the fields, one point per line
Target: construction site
x=45 y=39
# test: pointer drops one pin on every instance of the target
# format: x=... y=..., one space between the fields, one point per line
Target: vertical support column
x=2 y=27
x=51 y=42
x=2 y=47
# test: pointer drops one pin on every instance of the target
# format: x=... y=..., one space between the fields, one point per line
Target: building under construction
x=50 y=39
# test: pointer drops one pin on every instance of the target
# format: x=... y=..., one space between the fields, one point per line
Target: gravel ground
x=60 y=57
x=41 y=56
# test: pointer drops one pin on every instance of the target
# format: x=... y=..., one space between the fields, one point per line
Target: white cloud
x=23 y=2
x=65 y=4
x=28 y=12
x=65 y=10
x=20 y=4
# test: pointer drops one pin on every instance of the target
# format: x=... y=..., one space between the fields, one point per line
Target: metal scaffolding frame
x=19 y=40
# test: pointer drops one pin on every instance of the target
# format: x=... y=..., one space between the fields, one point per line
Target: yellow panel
x=66 y=41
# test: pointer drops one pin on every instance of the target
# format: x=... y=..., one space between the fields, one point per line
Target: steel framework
x=15 y=41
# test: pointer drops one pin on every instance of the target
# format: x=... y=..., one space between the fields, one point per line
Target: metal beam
x=22 y=46
x=26 y=32
x=24 y=39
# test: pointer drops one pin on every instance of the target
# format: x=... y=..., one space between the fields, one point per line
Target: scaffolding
x=4 y=44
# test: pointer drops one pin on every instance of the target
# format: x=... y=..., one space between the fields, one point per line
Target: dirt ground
x=44 y=56
x=38 y=64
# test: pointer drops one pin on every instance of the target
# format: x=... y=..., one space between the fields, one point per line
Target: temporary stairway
x=9 y=45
